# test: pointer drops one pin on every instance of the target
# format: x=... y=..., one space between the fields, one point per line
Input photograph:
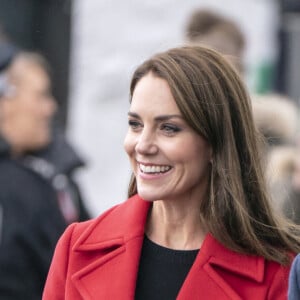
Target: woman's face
x=169 y=159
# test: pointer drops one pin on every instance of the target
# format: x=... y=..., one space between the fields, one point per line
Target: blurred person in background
x=276 y=117
x=198 y=222
x=38 y=197
x=296 y=170
x=209 y=28
x=292 y=205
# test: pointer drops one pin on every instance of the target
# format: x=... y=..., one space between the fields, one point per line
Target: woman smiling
x=198 y=223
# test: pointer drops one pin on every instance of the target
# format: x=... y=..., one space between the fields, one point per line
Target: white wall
x=110 y=38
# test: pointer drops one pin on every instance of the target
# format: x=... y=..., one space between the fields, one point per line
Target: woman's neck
x=175 y=226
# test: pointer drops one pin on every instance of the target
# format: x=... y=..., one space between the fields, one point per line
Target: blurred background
x=93 y=47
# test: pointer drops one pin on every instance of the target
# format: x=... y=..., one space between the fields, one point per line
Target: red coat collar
x=118 y=236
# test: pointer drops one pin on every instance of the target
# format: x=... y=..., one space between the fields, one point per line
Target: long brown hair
x=214 y=102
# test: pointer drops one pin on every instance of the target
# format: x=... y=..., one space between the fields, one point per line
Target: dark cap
x=7 y=53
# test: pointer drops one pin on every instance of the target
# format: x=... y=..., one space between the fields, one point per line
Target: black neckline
x=154 y=250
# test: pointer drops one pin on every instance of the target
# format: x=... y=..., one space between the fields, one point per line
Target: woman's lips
x=154 y=169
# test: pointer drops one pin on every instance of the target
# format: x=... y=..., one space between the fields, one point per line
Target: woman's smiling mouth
x=154 y=169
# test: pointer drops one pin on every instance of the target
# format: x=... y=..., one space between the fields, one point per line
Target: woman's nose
x=146 y=143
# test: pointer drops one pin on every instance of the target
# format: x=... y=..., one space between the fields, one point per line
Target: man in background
x=38 y=197
x=209 y=28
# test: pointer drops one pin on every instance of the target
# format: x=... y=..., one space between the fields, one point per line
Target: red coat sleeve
x=55 y=286
x=279 y=286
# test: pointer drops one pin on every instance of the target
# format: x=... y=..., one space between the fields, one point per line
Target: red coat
x=99 y=259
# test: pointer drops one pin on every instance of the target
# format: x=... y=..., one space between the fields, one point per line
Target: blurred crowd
x=276 y=115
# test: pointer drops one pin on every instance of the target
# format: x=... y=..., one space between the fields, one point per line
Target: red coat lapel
x=208 y=277
x=112 y=252
x=109 y=252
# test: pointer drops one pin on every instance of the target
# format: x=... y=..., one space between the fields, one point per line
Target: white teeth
x=154 y=169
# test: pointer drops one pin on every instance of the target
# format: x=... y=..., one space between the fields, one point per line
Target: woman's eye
x=134 y=124
x=170 y=128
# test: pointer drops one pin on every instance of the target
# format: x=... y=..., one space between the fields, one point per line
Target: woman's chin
x=147 y=195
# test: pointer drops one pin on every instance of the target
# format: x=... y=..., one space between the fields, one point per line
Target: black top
x=162 y=271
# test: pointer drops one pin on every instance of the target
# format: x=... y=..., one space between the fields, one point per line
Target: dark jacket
x=57 y=163
x=32 y=218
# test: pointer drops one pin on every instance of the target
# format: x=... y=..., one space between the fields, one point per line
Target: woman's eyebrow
x=134 y=115
x=167 y=117
x=158 y=118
